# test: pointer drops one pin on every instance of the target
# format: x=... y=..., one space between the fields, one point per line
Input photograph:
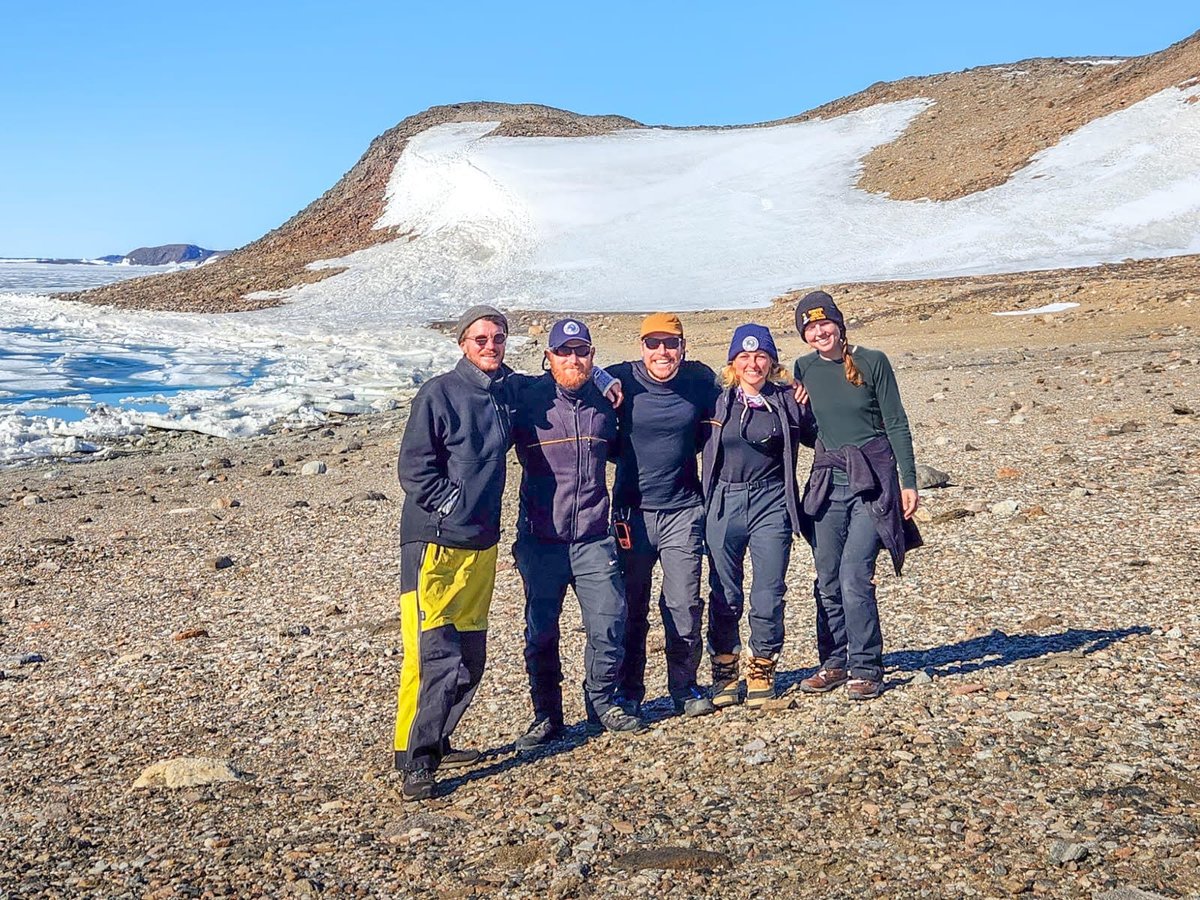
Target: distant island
x=164 y=255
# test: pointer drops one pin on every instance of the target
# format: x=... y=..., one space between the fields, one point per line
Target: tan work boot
x=726 y=686
x=760 y=681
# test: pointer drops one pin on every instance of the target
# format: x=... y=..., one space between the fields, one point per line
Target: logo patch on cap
x=815 y=314
x=749 y=343
x=571 y=328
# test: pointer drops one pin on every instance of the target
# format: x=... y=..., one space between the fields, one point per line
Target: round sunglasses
x=482 y=340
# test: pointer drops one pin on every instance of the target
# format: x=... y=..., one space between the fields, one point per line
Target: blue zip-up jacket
x=452 y=459
x=563 y=440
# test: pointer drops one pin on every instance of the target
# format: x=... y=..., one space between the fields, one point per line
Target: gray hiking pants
x=674 y=538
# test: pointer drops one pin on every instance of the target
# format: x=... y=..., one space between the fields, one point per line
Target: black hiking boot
x=419 y=784
x=542 y=731
x=457 y=759
x=616 y=721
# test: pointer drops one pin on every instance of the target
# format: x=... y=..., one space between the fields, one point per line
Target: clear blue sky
x=128 y=123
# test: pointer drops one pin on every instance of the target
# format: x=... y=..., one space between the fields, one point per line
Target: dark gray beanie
x=816 y=307
x=474 y=314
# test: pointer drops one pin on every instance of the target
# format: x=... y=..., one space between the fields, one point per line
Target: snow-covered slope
x=700 y=219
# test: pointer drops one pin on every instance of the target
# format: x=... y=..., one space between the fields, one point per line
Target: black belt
x=750 y=485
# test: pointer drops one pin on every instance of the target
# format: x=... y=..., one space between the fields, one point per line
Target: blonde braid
x=852 y=374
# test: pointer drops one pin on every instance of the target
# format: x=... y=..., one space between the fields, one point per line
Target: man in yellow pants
x=452 y=468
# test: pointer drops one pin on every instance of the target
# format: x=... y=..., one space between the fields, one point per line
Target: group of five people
x=652 y=417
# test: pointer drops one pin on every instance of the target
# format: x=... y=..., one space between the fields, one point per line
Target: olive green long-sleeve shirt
x=847 y=414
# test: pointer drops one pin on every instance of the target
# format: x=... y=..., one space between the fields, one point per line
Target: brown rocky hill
x=984 y=125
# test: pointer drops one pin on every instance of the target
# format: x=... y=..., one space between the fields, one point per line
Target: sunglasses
x=483 y=339
x=744 y=421
x=578 y=350
x=671 y=343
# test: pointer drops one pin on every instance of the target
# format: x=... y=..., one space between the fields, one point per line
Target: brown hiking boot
x=862 y=689
x=824 y=681
x=760 y=681
x=726 y=686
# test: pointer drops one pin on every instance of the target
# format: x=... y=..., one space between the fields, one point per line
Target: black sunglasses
x=482 y=340
x=744 y=421
x=671 y=343
x=578 y=350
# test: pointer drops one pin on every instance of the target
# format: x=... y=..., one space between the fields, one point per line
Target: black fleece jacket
x=452 y=459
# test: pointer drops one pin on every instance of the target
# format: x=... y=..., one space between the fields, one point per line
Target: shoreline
x=1114 y=301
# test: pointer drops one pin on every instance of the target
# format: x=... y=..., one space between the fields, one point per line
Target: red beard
x=571 y=379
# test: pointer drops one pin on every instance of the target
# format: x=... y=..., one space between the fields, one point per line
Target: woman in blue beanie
x=752 y=503
x=854 y=503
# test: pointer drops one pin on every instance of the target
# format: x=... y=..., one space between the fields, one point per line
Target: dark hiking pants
x=747 y=516
x=591 y=568
x=846 y=545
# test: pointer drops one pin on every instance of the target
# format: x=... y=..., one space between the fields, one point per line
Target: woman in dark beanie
x=752 y=502
x=854 y=503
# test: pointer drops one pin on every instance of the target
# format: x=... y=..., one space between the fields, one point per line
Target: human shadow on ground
x=975 y=654
x=987 y=651
x=500 y=759
x=505 y=757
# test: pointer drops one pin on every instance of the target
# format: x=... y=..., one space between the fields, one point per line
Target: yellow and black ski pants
x=445 y=595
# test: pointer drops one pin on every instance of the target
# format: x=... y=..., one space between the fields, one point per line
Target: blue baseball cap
x=567 y=330
x=750 y=337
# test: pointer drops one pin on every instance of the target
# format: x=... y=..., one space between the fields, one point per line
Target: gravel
x=202 y=600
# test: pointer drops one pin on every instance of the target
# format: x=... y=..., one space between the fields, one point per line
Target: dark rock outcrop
x=166 y=254
x=163 y=255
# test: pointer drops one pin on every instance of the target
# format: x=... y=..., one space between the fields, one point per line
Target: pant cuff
x=403 y=763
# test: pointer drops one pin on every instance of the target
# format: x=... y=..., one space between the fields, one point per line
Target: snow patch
x=1048 y=308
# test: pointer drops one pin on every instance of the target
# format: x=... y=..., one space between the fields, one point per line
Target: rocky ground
x=192 y=598
x=988 y=122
